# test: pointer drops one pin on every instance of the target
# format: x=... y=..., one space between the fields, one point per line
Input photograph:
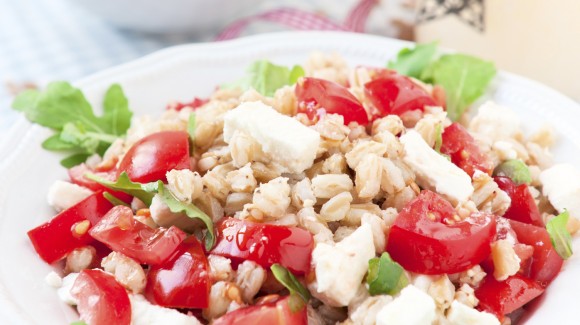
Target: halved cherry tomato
x=503 y=297
x=101 y=299
x=77 y=176
x=122 y=233
x=427 y=237
x=464 y=152
x=523 y=207
x=69 y=229
x=313 y=93
x=277 y=312
x=265 y=244
x=396 y=94
x=545 y=262
x=153 y=156
x=182 y=281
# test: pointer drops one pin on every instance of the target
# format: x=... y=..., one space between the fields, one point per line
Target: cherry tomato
x=396 y=94
x=523 y=207
x=265 y=244
x=313 y=93
x=77 y=176
x=69 y=229
x=277 y=312
x=153 y=156
x=427 y=238
x=545 y=261
x=182 y=281
x=503 y=297
x=122 y=233
x=101 y=299
x=464 y=152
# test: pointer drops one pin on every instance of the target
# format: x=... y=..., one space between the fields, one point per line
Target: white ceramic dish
x=26 y=171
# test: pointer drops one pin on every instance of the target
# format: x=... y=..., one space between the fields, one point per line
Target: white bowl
x=26 y=171
x=170 y=16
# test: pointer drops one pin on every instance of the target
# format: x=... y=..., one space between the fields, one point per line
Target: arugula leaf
x=191 y=125
x=54 y=143
x=266 y=77
x=464 y=78
x=299 y=295
x=559 y=235
x=438 y=137
x=144 y=192
x=78 y=322
x=25 y=100
x=516 y=170
x=413 y=61
x=114 y=200
x=385 y=276
x=190 y=210
x=74 y=159
x=116 y=114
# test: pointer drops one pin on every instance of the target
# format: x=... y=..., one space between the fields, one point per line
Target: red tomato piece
x=153 y=156
x=270 y=313
x=523 y=207
x=69 y=229
x=122 y=233
x=545 y=261
x=102 y=300
x=313 y=93
x=183 y=281
x=265 y=244
x=195 y=103
x=503 y=297
x=427 y=239
x=396 y=94
x=464 y=151
x=77 y=176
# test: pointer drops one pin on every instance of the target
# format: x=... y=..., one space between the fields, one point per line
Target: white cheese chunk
x=495 y=122
x=64 y=291
x=63 y=195
x=412 y=307
x=145 y=313
x=287 y=142
x=460 y=314
x=341 y=268
x=434 y=171
x=561 y=184
x=53 y=280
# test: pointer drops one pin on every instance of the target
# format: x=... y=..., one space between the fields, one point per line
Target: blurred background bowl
x=170 y=16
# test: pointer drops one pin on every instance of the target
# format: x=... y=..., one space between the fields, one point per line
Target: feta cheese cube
x=495 y=122
x=145 y=313
x=341 y=268
x=287 y=142
x=63 y=195
x=64 y=291
x=434 y=171
x=460 y=314
x=412 y=307
x=53 y=280
x=561 y=184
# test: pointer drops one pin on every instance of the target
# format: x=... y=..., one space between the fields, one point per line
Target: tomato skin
x=122 y=233
x=503 y=297
x=183 y=281
x=464 y=151
x=314 y=93
x=425 y=238
x=55 y=238
x=545 y=261
x=523 y=207
x=150 y=158
x=392 y=93
x=77 y=176
x=265 y=244
x=102 y=300
x=266 y=314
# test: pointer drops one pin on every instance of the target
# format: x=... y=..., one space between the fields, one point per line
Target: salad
x=313 y=194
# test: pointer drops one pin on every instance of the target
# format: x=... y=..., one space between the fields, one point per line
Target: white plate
x=26 y=171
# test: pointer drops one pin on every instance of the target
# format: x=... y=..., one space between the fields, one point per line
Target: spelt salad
x=314 y=194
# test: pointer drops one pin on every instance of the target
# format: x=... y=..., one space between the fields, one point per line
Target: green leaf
x=190 y=210
x=413 y=61
x=559 y=235
x=288 y=280
x=74 y=159
x=144 y=192
x=114 y=200
x=54 y=143
x=78 y=322
x=464 y=78
x=385 y=276
x=76 y=133
x=26 y=100
x=266 y=77
x=514 y=169
x=438 y=137
x=116 y=118
x=191 y=125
